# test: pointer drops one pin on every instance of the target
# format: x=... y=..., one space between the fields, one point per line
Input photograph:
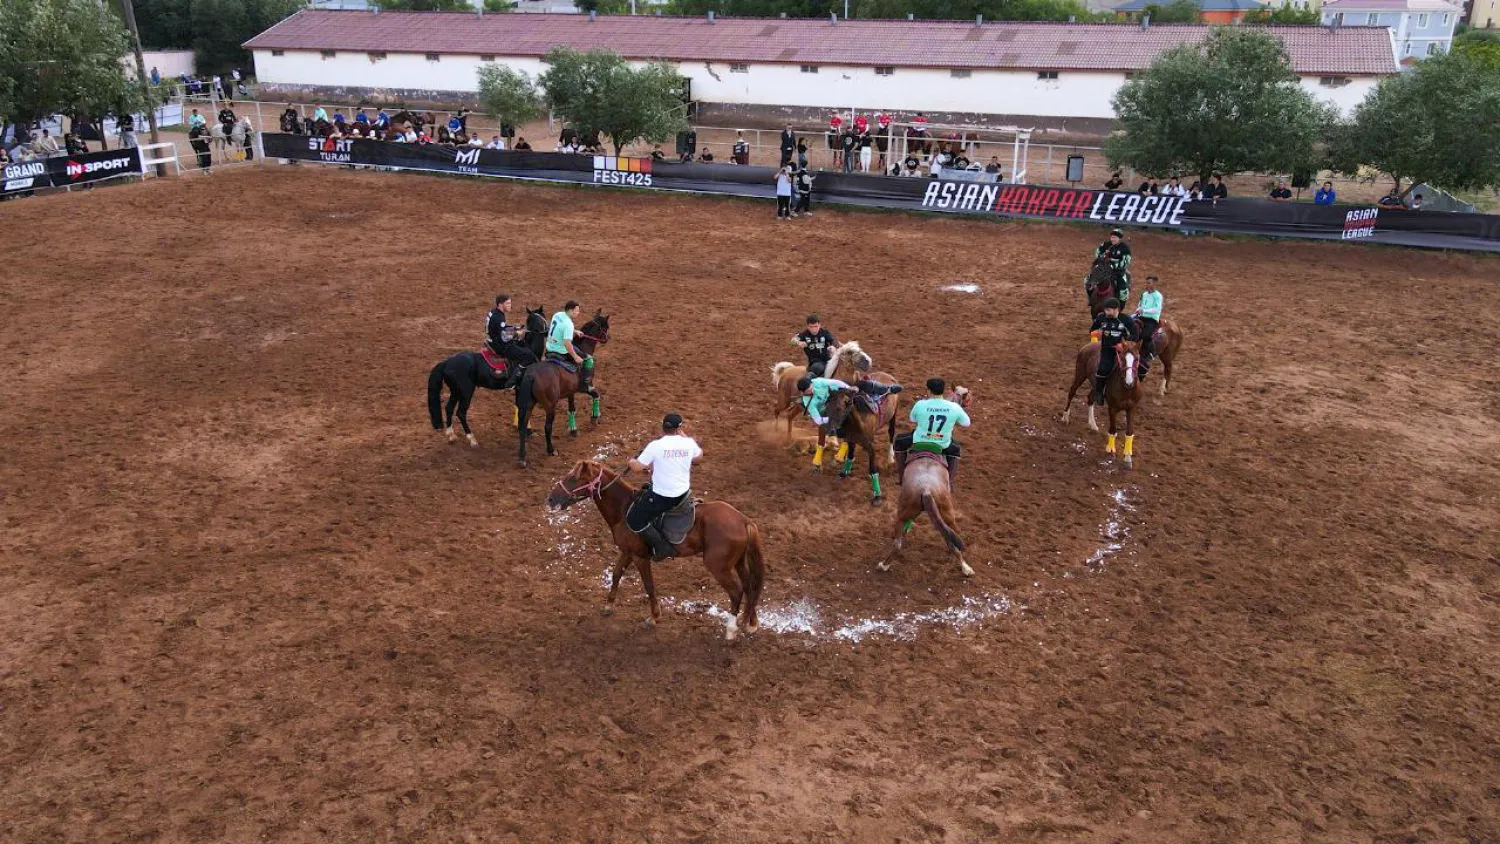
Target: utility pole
x=128 y=8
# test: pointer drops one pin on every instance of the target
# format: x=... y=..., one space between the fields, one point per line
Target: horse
x=925 y=488
x=547 y=383
x=857 y=426
x=1168 y=343
x=728 y=542
x=467 y=370
x=1122 y=392
x=785 y=374
x=1099 y=285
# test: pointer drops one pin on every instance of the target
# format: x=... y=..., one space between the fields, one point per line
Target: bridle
x=599 y=340
x=592 y=489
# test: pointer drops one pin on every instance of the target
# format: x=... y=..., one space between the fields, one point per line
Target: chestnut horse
x=848 y=358
x=728 y=542
x=1122 y=392
x=547 y=383
x=857 y=428
x=925 y=488
x=1168 y=343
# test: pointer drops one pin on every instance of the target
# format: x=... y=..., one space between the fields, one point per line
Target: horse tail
x=777 y=370
x=930 y=505
x=755 y=557
x=435 y=396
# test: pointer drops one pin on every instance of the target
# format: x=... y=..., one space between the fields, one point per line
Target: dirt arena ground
x=249 y=595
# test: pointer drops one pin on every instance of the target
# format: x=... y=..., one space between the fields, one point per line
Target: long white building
x=1043 y=74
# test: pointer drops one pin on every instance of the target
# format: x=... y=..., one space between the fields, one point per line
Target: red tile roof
x=1345 y=50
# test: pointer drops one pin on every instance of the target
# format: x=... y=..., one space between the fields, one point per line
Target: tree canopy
x=1177 y=11
x=63 y=57
x=1228 y=105
x=598 y=91
x=1437 y=123
x=1480 y=44
x=1287 y=14
x=507 y=94
x=212 y=29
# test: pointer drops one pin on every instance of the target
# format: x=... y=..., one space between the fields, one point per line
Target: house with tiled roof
x=1047 y=75
x=1420 y=28
x=1209 y=11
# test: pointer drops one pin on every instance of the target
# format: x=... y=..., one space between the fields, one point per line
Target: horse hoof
x=473 y=443
x=649 y=623
x=964 y=567
x=1065 y=417
x=875 y=502
x=573 y=433
x=752 y=627
x=551 y=452
x=1129 y=462
x=521 y=464
x=882 y=566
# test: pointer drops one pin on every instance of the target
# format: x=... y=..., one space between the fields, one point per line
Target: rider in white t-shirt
x=670 y=460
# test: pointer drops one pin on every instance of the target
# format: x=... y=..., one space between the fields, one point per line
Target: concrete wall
x=1484 y=14
x=171 y=63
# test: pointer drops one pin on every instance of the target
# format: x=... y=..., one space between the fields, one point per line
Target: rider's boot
x=1145 y=367
x=1097 y=397
x=513 y=376
x=952 y=473
x=900 y=466
x=661 y=549
x=586 y=378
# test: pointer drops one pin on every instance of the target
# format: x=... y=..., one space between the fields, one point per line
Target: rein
x=592 y=489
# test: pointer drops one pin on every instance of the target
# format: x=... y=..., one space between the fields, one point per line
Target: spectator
x=521 y=144
x=994 y=166
x=707 y=157
x=1391 y=200
x=1145 y=187
x=1325 y=194
x=382 y=120
x=197 y=121
x=198 y=139
x=861 y=124
x=1281 y=193
x=361 y=118
x=866 y=145
x=1175 y=188
x=935 y=165
x=476 y=141
x=657 y=154
x=1219 y=190
x=428 y=121
x=804 y=192
x=74 y=144
x=319 y=113
x=835 y=130
x=455 y=126
x=1155 y=189
x=1115 y=182
x=911 y=165
x=848 y=149
x=783 y=193
x=1416 y=203
x=46 y=145
x=788 y=144
x=801 y=154
x=155 y=76
x=4 y=157
x=1195 y=192
x=444 y=134
x=125 y=125
x=882 y=136
x=740 y=154
x=496 y=142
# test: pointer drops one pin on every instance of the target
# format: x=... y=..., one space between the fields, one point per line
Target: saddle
x=494 y=361
x=871 y=403
x=676 y=523
x=567 y=365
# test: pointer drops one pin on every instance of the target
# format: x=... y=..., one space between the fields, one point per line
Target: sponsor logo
x=631 y=172
x=467 y=160
x=332 y=150
x=19 y=184
x=1360 y=223
x=21 y=171
x=77 y=170
x=1061 y=203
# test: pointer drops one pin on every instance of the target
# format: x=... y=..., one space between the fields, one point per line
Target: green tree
x=600 y=92
x=1480 y=44
x=426 y=5
x=212 y=29
x=1288 y=14
x=499 y=6
x=1227 y=105
x=604 y=7
x=1178 y=11
x=1437 y=123
x=63 y=57
x=507 y=94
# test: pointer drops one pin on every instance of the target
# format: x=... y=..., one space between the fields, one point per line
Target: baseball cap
x=671 y=422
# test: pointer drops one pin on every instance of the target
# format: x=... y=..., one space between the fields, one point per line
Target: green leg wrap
x=594 y=412
x=910 y=523
x=848 y=465
x=572 y=421
x=875 y=484
x=588 y=363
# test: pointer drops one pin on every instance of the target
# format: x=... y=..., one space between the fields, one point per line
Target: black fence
x=63 y=171
x=1368 y=224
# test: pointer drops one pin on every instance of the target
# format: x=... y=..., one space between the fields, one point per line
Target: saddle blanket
x=565 y=364
x=495 y=362
x=677 y=522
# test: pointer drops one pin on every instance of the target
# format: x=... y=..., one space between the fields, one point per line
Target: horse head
x=960 y=396
x=582 y=482
x=1127 y=358
x=597 y=328
x=840 y=404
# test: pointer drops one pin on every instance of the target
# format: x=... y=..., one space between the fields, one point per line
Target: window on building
x=809 y=68
x=377 y=57
x=885 y=71
x=1407 y=50
x=739 y=67
x=1422 y=20
x=1046 y=74
x=1372 y=19
x=1338 y=19
x=1333 y=81
x=960 y=73
x=1445 y=19
x=328 y=54
x=487 y=57
x=1433 y=49
x=434 y=57
x=278 y=52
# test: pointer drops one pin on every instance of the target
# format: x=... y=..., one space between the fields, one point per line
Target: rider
x=505 y=339
x=815 y=392
x=560 y=346
x=1116 y=252
x=818 y=343
x=670 y=460
x=1148 y=315
x=935 y=417
x=1113 y=327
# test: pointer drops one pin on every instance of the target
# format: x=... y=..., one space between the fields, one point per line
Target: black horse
x=548 y=383
x=467 y=370
x=1100 y=285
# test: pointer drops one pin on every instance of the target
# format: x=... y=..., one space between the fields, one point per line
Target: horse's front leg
x=906 y=517
x=818 y=450
x=572 y=417
x=1109 y=445
x=463 y=418
x=644 y=567
x=621 y=565
x=1129 y=453
x=547 y=427
x=874 y=480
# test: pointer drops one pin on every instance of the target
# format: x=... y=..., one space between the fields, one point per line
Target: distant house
x=1209 y=11
x=1484 y=14
x=1419 y=28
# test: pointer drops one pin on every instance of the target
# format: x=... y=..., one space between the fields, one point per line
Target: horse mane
x=778 y=370
x=849 y=349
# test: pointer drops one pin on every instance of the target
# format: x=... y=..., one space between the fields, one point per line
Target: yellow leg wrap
x=515 y=416
x=843 y=452
x=1129 y=445
x=1109 y=447
x=818 y=456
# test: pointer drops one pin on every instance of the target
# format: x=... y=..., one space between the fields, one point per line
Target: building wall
x=170 y=63
x=1484 y=14
x=1073 y=94
x=1417 y=34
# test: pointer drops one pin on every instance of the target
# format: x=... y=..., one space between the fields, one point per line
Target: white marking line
x=965 y=287
x=1114 y=532
x=804 y=617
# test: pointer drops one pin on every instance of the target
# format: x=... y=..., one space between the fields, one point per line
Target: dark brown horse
x=857 y=427
x=1100 y=286
x=728 y=542
x=1122 y=392
x=547 y=383
x=925 y=488
x=848 y=360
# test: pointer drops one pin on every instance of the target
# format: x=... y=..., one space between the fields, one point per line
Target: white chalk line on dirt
x=805 y=617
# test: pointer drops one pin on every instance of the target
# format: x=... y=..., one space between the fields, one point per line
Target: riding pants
x=816 y=368
x=648 y=507
x=1148 y=338
x=518 y=355
x=1101 y=375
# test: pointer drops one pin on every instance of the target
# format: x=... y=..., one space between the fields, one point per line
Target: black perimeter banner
x=1367 y=224
x=64 y=170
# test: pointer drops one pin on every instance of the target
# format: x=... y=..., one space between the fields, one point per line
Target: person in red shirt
x=861 y=124
x=835 y=128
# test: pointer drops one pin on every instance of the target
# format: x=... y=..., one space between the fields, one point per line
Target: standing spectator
x=320 y=115
x=866 y=147
x=1325 y=194
x=1416 y=202
x=1281 y=193
x=882 y=137
x=804 y=192
x=74 y=144
x=994 y=167
x=935 y=164
x=362 y=119
x=125 y=125
x=801 y=154
x=741 y=152
x=1115 y=182
x=835 y=129
x=861 y=124
x=848 y=148
x=788 y=144
x=784 y=193
x=455 y=125
x=198 y=139
x=382 y=120
x=1219 y=189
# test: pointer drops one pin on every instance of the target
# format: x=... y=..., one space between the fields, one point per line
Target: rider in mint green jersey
x=935 y=418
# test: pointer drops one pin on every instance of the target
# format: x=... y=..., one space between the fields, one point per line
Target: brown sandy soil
x=248 y=593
